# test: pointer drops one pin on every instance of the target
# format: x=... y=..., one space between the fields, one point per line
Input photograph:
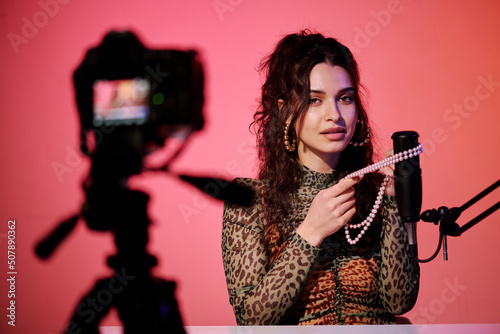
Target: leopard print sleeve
x=400 y=271
x=260 y=293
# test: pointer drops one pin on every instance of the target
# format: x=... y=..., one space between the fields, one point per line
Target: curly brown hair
x=287 y=70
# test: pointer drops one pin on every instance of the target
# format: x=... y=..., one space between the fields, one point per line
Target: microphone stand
x=446 y=219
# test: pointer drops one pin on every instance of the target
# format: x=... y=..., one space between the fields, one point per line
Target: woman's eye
x=346 y=99
x=314 y=100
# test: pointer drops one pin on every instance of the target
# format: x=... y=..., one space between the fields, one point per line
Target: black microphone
x=408 y=185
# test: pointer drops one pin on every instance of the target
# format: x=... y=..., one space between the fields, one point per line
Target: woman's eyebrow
x=343 y=90
x=315 y=91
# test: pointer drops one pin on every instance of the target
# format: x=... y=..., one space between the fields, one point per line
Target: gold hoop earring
x=288 y=147
x=368 y=136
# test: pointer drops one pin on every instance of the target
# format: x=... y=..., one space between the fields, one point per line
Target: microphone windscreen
x=407 y=177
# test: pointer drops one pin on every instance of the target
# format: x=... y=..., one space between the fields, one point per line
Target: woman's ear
x=280 y=104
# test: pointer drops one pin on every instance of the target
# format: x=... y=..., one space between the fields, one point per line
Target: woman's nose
x=332 y=112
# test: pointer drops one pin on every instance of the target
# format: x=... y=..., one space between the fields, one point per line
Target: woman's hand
x=389 y=170
x=331 y=209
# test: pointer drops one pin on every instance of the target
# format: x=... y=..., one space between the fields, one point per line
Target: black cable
x=437 y=250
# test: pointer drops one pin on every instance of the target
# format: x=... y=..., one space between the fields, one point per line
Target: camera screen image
x=120 y=102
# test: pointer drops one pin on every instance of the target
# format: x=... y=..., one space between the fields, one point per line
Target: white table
x=362 y=329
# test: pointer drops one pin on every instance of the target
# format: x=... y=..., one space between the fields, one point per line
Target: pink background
x=426 y=66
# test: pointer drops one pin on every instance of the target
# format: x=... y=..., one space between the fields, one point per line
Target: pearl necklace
x=378 y=201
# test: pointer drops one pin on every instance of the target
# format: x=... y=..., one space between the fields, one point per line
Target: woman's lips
x=334 y=133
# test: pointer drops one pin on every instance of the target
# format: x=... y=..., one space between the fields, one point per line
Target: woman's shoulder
x=248 y=182
x=245 y=191
x=244 y=207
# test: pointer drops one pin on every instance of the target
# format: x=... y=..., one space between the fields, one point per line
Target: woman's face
x=327 y=126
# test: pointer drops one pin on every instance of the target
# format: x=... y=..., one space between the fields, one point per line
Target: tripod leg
x=149 y=305
x=91 y=309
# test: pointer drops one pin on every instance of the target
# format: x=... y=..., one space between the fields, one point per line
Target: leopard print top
x=336 y=283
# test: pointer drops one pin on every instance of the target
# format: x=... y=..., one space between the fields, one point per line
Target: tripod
x=144 y=303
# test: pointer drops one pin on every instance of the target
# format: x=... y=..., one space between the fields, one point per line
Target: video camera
x=123 y=87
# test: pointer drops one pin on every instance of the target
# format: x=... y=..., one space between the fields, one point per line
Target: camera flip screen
x=120 y=102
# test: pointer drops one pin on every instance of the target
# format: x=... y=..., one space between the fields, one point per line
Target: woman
x=288 y=256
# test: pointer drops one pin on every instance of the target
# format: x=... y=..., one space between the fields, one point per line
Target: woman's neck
x=321 y=165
